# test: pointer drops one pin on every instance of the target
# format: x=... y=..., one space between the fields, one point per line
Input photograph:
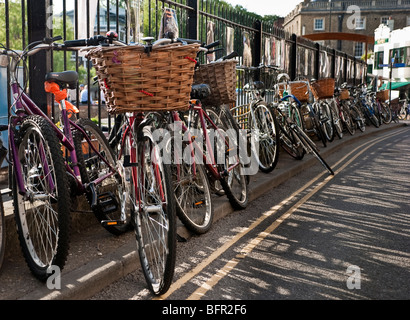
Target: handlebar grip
x=75 y=43
x=212 y=45
x=188 y=41
x=231 y=55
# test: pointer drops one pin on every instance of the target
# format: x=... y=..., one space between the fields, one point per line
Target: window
x=408 y=21
x=360 y=23
x=319 y=24
x=408 y=57
x=358 y=49
x=378 y=60
x=398 y=55
x=401 y=55
x=384 y=20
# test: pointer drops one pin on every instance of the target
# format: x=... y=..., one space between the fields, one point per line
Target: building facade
x=354 y=16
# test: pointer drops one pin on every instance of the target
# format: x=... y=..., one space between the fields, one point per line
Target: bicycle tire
x=336 y=120
x=348 y=121
x=111 y=204
x=35 y=131
x=235 y=182
x=386 y=113
x=155 y=215
x=288 y=140
x=357 y=118
x=268 y=137
x=2 y=234
x=312 y=147
x=191 y=189
x=326 y=120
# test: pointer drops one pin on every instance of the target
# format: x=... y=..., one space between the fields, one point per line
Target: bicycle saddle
x=64 y=79
x=200 y=91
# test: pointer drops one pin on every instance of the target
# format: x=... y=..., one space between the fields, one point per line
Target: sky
x=267 y=7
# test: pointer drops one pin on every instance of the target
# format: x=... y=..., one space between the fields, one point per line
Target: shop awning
x=394 y=85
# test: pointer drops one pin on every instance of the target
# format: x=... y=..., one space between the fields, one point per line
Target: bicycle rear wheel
x=43 y=213
x=111 y=206
x=155 y=218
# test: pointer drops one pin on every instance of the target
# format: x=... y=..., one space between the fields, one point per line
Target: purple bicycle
x=53 y=164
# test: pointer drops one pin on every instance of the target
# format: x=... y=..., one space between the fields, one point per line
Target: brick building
x=350 y=16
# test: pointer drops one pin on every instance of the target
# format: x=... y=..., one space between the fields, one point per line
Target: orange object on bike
x=54 y=88
x=59 y=95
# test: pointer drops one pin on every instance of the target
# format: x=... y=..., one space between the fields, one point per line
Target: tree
x=14 y=27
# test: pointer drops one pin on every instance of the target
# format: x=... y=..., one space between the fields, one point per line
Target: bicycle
x=297 y=136
x=383 y=111
x=257 y=118
x=355 y=113
x=44 y=181
x=341 y=103
x=212 y=139
x=361 y=100
x=404 y=111
x=322 y=90
x=289 y=106
x=313 y=118
x=3 y=153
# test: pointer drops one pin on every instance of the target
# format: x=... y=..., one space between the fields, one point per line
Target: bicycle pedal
x=107 y=203
x=128 y=163
x=108 y=223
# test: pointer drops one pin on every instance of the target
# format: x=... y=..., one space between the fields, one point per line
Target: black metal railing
x=257 y=41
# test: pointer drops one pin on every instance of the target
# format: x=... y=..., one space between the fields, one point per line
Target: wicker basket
x=344 y=94
x=382 y=95
x=324 y=88
x=300 y=89
x=221 y=77
x=134 y=81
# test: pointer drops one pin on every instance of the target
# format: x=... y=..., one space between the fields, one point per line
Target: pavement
x=98 y=258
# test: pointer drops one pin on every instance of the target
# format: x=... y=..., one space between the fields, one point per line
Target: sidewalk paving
x=98 y=258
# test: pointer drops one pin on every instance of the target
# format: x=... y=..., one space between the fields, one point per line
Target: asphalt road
x=313 y=237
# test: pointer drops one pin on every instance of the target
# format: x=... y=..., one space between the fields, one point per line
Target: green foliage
x=15 y=24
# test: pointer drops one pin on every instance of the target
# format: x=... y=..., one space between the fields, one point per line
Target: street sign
x=396 y=65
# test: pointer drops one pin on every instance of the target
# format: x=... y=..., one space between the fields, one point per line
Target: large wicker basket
x=136 y=81
x=324 y=88
x=300 y=89
x=221 y=77
x=344 y=94
x=382 y=95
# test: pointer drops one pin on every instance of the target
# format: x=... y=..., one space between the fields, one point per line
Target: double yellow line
x=205 y=287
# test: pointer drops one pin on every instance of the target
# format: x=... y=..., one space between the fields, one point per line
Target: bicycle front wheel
x=43 y=213
x=265 y=127
x=155 y=217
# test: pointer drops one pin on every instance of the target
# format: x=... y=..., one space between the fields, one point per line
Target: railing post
x=257 y=46
x=294 y=58
x=40 y=63
x=193 y=16
x=317 y=62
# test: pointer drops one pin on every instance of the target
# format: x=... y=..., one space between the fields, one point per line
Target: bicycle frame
x=209 y=158
x=25 y=106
